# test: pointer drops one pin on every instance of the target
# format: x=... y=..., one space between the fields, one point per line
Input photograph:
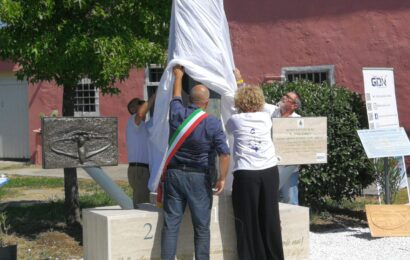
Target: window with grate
x=153 y=74
x=316 y=74
x=86 y=101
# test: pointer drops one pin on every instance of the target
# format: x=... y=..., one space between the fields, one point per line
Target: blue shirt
x=207 y=137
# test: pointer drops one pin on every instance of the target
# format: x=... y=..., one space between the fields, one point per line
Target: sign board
x=388 y=220
x=79 y=141
x=379 y=89
x=380 y=98
x=382 y=143
x=300 y=140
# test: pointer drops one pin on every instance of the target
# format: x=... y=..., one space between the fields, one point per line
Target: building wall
x=268 y=35
x=46 y=97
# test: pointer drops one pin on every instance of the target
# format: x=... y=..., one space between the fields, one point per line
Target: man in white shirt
x=289 y=174
x=137 y=147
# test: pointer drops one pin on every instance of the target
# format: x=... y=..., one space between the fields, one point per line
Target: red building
x=318 y=40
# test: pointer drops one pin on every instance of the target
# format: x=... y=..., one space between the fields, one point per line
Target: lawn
x=38 y=227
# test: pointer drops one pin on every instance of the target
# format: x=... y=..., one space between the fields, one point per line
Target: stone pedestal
x=110 y=233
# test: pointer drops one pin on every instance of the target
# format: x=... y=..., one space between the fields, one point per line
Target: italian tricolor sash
x=177 y=139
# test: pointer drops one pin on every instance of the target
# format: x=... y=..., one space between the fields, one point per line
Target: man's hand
x=219 y=187
x=223 y=171
x=178 y=71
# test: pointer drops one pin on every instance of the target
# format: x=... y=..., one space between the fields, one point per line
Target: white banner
x=381 y=106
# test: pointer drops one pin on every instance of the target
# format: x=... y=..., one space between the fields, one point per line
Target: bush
x=348 y=170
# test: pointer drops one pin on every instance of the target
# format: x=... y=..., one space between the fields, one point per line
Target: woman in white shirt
x=256 y=179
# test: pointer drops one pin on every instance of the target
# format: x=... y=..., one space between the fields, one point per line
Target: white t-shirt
x=137 y=141
x=272 y=110
x=253 y=147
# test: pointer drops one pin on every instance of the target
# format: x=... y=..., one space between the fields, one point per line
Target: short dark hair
x=135 y=102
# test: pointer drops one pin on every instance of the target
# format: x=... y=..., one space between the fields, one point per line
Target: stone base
x=111 y=233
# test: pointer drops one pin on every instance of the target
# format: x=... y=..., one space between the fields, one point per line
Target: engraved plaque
x=300 y=140
x=70 y=142
x=388 y=220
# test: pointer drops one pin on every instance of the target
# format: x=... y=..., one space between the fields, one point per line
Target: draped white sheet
x=198 y=40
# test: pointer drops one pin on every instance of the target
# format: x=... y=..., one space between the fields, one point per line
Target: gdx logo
x=380 y=82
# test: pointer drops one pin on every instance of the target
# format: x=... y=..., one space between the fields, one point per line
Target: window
x=86 y=101
x=316 y=74
x=153 y=74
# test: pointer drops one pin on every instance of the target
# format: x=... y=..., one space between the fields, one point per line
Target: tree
x=67 y=40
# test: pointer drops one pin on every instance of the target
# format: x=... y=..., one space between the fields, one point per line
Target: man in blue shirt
x=187 y=178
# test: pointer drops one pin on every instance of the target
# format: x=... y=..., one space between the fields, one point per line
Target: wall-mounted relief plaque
x=79 y=141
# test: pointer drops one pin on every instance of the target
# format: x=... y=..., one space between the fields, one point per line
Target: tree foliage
x=348 y=170
x=66 y=40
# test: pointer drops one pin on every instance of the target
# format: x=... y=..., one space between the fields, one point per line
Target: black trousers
x=256 y=209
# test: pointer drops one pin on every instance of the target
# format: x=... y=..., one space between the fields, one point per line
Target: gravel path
x=357 y=243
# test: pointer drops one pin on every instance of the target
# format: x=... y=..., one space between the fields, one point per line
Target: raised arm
x=238 y=77
x=143 y=109
x=178 y=71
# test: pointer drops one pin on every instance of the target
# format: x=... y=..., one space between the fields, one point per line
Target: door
x=14 y=132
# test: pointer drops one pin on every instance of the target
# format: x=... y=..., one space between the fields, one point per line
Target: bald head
x=199 y=95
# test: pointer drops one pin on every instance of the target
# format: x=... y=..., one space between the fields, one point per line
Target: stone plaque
x=79 y=142
x=388 y=220
x=300 y=140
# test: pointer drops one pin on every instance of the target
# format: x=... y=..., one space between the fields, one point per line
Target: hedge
x=348 y=170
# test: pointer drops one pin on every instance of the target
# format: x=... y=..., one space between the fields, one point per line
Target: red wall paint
x=268 y=35
x=117 y=106
x=43 y=98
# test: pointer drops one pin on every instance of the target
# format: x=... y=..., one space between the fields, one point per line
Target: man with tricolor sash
x=194 y=136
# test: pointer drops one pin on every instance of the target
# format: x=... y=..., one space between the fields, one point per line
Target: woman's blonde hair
x=249 y=99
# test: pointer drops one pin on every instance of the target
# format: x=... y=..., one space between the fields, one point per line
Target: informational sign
x=379 y=89
x=79 y=142
x=380 y=98
x=300 y=140
x=381 y=143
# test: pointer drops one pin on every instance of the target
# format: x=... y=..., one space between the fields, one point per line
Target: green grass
x=29 y=220
x=29 y=182
x=401 y=197
x=34 y=182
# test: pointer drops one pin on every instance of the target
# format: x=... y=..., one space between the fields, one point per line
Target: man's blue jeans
x=183 y=188
x=288 y=191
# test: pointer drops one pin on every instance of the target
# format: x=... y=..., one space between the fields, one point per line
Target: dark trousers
x=182 y=188
x=256 y=209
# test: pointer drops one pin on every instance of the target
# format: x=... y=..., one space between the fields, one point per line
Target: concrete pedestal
x=113 y=234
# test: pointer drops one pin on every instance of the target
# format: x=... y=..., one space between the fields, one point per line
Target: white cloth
x=253 y=148
x=137 y=143
x=199 y=41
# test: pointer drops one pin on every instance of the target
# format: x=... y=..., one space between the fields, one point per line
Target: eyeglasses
x=288 y=98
